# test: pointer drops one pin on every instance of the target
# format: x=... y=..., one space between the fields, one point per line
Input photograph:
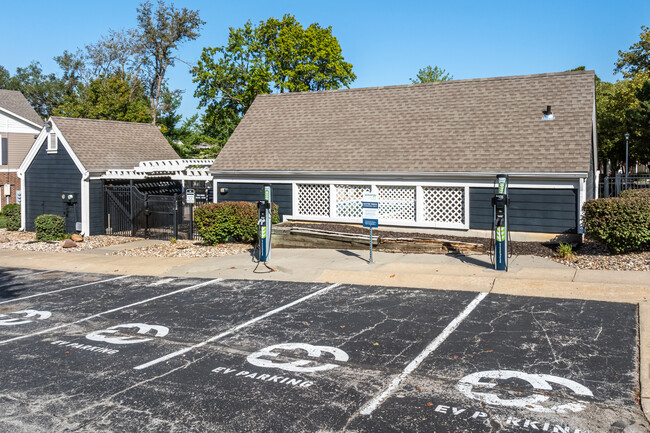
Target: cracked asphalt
x=91 y=352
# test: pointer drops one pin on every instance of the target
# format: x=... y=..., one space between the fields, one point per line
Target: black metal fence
x=131 y=212
x=202 y=195
x=612 y=186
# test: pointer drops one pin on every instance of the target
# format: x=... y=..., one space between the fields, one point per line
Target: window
x=52 y=143
x=3 y=151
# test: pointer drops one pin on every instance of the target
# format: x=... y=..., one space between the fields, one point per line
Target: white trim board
x=568 y=184
x=31 y=124
x=85 y=205
x=419 y=176
x=384 y=222
x=40 y=140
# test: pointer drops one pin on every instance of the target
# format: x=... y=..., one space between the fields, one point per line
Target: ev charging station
x=264 y=212
x=500 y=203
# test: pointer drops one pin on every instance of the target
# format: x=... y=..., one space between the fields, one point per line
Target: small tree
x=161 y=31
x=431 y=75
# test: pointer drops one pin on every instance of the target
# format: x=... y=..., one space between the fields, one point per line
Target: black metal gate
x=612 y=186
x=131 y=212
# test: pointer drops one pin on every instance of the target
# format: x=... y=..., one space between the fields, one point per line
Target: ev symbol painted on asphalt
x=538 y=381
x=39 y=315
x=301 y=365
x=142 y=328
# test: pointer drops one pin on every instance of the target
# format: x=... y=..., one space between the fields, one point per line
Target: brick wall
x=12 y=179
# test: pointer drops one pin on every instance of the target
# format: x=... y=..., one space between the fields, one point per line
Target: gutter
x=388 y=175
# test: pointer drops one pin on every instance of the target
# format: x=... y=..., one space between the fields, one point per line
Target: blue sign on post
x=370 y=207
x=370 y=223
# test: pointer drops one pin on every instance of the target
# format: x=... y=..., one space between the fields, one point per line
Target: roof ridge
x=437 y=83
x=102 y=120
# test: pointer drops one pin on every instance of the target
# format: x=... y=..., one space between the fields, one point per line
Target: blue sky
x=386 y=41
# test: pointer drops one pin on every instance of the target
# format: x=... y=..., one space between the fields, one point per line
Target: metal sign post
x=190 y=199
x=370 y=206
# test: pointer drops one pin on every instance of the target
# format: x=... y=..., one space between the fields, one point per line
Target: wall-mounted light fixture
x=223 y=190
x=548 y=114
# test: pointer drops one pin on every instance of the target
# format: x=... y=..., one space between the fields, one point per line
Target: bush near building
x=229 y=220
x=49 y=227
x=621 y=223
x=641 y=192
x=11 y=212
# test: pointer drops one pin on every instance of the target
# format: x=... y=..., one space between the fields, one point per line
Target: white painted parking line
x=63 y=290
x=379 y=399
x=54 y=328
x=234 y=329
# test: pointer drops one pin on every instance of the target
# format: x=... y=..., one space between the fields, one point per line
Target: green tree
x=637 y=58
x=108 y=98
x=638 y=119
x=431 y=75
x=5 y=76
x=43 y=91
x=160 y=32
x=620 y=109
x=191 y=142
x=72 y=65
x=274 y=55
x=612 y=102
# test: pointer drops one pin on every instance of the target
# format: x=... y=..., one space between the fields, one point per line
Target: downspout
x=23 y=217
x=594 y=141
x=85 y=203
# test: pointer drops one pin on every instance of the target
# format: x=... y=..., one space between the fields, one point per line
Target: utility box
x=7 y=189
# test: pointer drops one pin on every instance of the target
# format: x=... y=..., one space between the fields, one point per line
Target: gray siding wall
x=531 y=210
x=16 y=147
x=97 y=207
x=45 y=179
x=282 y=194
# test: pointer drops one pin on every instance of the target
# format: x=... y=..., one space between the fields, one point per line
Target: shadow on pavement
x=472 y=260
x=353 y=254
x=8 y=289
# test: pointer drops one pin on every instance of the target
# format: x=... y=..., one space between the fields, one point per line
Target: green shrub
x=237 y=220
x=622 y=223
x=11 y=213
x=49 y=227
x=641 y=192
x=564 y=251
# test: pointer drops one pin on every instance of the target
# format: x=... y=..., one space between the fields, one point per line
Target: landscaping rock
x=77 y=238
x=69 y=243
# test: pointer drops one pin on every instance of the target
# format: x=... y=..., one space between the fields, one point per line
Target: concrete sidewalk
x=527 y=276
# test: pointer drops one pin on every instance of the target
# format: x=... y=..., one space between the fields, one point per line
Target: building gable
x=46 y=178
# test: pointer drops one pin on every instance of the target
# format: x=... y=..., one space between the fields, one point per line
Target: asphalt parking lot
x=91 y=352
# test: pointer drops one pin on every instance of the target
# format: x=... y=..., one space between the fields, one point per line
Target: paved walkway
x=528 y=275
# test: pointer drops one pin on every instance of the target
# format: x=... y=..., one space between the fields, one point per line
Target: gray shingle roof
x=480 y=125
x=108 y=144
x=15 y=102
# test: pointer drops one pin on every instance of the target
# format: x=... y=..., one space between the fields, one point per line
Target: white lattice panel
x=348 y=200
x=396 y=203
x=443 y=204
x=313 y=200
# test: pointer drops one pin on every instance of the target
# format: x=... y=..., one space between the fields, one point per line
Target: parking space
x=151 y=354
